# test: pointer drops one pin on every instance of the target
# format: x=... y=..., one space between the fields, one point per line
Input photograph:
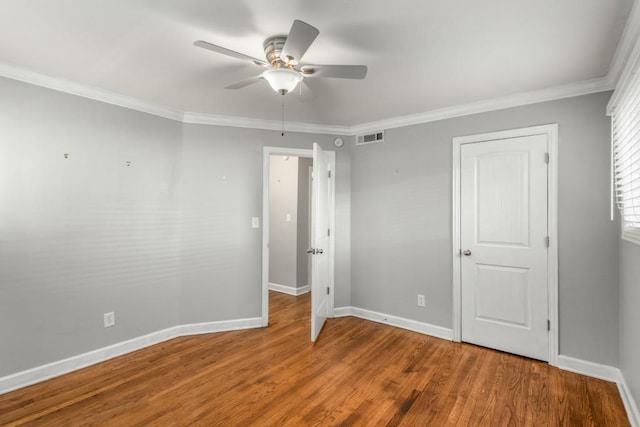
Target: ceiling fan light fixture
x=282 y=80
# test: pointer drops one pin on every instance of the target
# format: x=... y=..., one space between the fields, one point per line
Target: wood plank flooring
x=359 y=373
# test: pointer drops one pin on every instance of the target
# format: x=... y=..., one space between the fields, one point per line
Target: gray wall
x=86 y=235
x=304 y=260
x=221 y=252
x=161 y=242
x=283 y=235
x=168 y=240
x=401 y=221
x=630 y=316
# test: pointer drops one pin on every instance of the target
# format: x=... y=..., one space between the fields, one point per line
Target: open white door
x=320 y=267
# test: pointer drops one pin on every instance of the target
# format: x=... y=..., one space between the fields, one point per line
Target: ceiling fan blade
x=298 y=41
x=335 y=71
x=219 y=49
x=244 y=83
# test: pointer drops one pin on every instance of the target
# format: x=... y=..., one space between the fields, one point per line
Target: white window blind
x=626 y=156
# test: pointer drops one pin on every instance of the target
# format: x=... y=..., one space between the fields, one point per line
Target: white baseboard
x=220 y=326
x=607 y=373
x=630 y=405
x=567 y=363
x=61 y=367
x=289 y=290
x=590 y=369
x=341 y=311
x=399 y=322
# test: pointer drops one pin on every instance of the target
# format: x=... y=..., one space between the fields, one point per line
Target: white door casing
x=503 y=201
x=505 y=288
x=283 y=151
x=320 y=268
x=310 y=225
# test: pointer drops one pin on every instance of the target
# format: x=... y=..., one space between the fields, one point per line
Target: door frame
x=551 y=131
x=267 y=152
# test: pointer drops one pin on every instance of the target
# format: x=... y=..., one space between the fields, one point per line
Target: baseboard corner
x=342 y=311
x=585 y=367
x=627 y=399
x=60 y=367
x=289 y=290
x=51 y=370
x=220 y=326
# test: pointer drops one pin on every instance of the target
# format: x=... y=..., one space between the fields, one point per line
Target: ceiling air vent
x=370 y=138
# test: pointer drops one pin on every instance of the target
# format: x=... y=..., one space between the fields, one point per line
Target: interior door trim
x=298 y=152
x=551 y=131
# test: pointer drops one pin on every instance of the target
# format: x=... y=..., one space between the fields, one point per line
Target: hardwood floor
x=358 y=373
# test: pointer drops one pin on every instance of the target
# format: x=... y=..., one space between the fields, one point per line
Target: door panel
x=502 y=194
x=319 y=241
x=503 y=295
x=503 y=230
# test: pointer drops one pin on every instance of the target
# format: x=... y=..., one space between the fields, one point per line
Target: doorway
x=323 y=261
x=505 y=241
x=289 y=224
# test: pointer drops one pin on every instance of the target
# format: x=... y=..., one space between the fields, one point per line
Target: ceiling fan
x=283 y=67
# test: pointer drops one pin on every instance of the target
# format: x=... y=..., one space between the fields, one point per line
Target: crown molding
x=516 y=100
x=549 y=94
x=245 y=122
x=67 y=86
x=625 y=49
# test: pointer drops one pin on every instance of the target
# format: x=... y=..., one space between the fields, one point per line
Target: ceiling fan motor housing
x=273 y=48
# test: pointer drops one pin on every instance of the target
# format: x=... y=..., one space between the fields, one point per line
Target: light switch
x=287 y=217
x=255 y=222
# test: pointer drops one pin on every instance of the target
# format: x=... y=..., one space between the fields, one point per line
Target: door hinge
x=547 y=241
x=548 y=325
x=329 y=232
x=327 y=290
x=329 y=174
x=546 y=158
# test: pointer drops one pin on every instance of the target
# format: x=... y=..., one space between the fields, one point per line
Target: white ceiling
x=423 y=55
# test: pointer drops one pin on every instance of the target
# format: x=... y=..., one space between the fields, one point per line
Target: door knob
x=311 y=251
x=319 y=251
x=466 y=252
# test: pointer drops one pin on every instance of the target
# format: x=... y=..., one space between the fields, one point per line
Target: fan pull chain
x=282 y=115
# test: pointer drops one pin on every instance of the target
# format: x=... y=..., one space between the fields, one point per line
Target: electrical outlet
x=421 y=301
x=109 y=319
